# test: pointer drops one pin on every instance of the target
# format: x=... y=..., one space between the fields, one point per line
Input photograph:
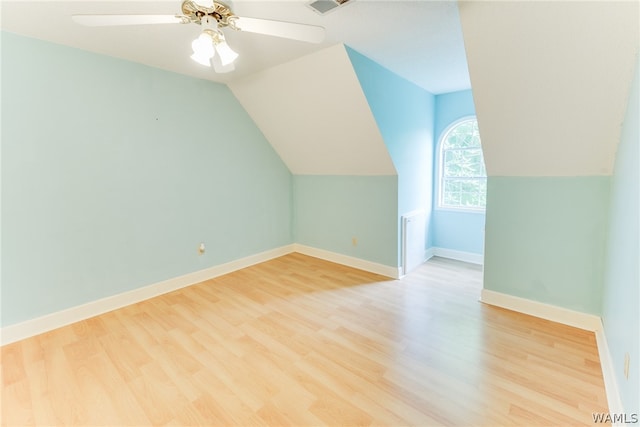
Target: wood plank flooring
x=298 y=341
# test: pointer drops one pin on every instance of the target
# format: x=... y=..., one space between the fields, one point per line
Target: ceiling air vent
x=325 y=6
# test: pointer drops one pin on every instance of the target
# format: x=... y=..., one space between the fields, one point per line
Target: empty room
x=320 y=213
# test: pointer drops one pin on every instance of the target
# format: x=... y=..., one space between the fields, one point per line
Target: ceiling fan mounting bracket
x=219 y=11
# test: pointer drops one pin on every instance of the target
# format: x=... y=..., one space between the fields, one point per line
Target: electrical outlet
x=354 y=241
x=201 y=248
x=626 y=365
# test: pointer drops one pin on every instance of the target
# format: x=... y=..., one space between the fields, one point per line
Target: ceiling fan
x=212 y=16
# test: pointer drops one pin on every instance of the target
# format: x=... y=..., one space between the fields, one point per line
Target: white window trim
x=438 y=168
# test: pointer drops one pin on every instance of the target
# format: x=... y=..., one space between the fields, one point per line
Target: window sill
x=478 y=211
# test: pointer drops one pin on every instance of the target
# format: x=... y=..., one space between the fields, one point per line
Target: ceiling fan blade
x=114 y=20
x=289 y=30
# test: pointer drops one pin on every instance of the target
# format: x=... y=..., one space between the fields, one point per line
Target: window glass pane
x=469 y=193
x=450 y=193
x=464 y=135
x=452 y=185
x=463 y=163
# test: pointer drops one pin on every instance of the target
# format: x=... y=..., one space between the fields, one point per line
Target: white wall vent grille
x=325 y=6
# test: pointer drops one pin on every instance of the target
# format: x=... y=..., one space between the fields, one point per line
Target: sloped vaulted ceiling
x=315 y=114
x=550 y=82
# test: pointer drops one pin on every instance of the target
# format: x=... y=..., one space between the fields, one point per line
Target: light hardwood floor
x=300 y=341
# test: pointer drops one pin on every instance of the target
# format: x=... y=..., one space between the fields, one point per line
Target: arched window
x=462 y=174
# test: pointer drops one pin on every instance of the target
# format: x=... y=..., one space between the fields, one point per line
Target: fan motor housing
x=220 y=12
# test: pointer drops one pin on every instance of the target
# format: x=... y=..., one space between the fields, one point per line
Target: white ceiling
x=420 y=40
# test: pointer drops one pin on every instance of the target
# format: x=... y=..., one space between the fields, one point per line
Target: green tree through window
x=463 y=177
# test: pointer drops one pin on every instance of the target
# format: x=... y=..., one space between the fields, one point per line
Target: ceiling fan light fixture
x=213 y=16
x=201 y=59
x=203 y=50
x=219 y=68
x=227 y=55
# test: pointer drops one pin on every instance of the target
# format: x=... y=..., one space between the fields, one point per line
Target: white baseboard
x=469 y=257
x=372 y=267
x=29 y=328
x=39 y=325
x=609 y=374
x=429 y=253
x=576 y=319
x=554 y=313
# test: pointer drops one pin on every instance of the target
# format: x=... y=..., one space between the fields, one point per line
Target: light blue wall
x=404 y=114
x=456 y=230
x=621 y=297
x=114 y=172
x=451 y=107
x=545 y=239
x=330 y=210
